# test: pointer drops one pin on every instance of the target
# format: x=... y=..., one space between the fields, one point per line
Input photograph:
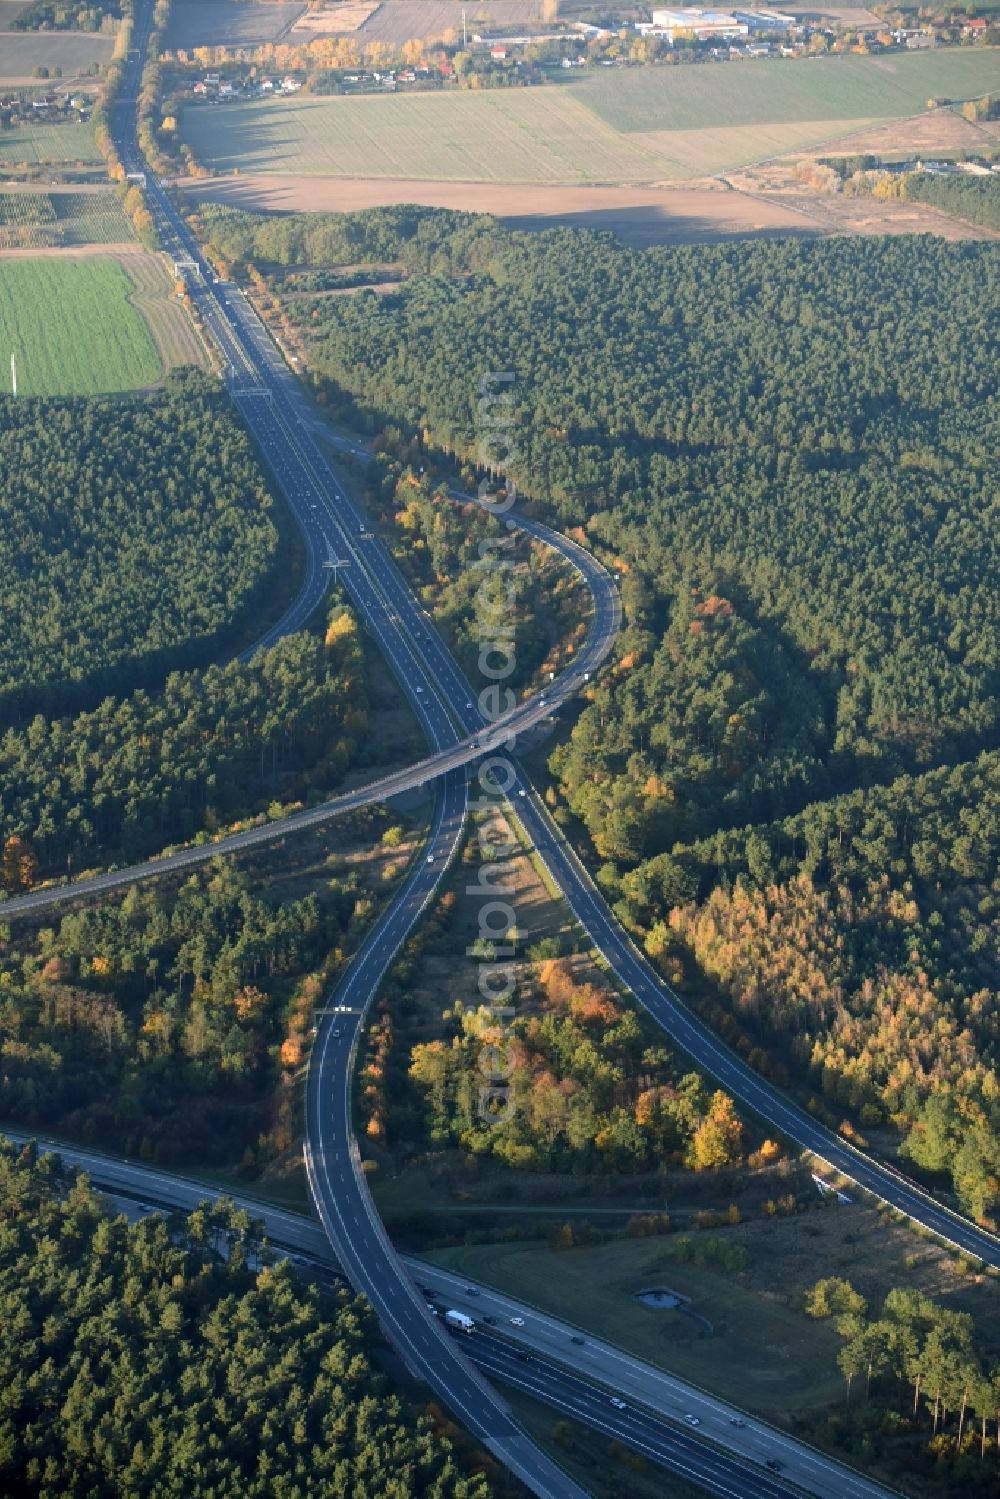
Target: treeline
x=942 y=827
x=591 y=1091
x=120 y=783
x=409 y=236
x=928 y=1390
x=172 y=1025
x=135 y=538
x=160 y=1357
x=975 y=199
x=83 y=15
x=969 y=196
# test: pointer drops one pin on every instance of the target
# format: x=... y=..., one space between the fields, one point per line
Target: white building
x=698 y=23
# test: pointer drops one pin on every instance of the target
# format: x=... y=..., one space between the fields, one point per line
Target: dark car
x=774 y=1465
x=525 y=1358
x=471 y=1291
x=490 y=1321
x=577 y=1339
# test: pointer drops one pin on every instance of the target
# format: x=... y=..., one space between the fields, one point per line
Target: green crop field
x=29 y=144
x=612 y=126
x=786 y=91
x=72 y=328
x=39 y=220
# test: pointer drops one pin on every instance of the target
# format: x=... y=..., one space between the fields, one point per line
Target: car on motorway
x=471 y=1291
x=517 y=1321
x=335 y=1031
x=692 y=1420
x=577 y=1339
x=430 y=858
x=490 y=1320
x=524 y=1357
x=736 y=1421
x=774 y=1465
x=427 y=1290
x=618 y=1403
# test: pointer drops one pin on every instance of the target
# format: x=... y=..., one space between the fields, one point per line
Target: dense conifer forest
x=163 y=1357
x=788 y=779
x=138 y=773
x=143 y=529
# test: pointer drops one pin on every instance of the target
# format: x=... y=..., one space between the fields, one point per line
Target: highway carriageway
x=573 y=1377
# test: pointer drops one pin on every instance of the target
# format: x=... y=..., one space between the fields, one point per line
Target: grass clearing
x=75 y=52
x=73 y=328
x=762 y=1355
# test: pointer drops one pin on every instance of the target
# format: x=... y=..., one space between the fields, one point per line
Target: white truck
x=458 y=1322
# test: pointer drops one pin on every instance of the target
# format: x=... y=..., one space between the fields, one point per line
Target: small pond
x=662 y=1299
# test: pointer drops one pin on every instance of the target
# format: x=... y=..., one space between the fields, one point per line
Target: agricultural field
x=34 y=143
x=643 y=125
x=73 y=327
x=396 y=21
x=516 y=135
x=174 y=334
x=834 y=91
x=222 y=23
x=34 y=220
x=75 y=52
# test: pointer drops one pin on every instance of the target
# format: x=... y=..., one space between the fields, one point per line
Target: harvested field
x=516 y=135
x=176 y=338
x=225 y=23
x=334 y=20
x=397 y=21
x=933 y=131
x=31 y=144
x=844 y=15
x=639 y=216
x=73 y=51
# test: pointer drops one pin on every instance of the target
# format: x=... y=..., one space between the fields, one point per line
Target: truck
x=458 y=1322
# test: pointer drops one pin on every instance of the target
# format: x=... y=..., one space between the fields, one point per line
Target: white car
x=618 y=1403
x=430 y=858
x=692 y=1420
x=517 y=1321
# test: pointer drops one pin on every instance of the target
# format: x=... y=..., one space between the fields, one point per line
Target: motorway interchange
x=276 y=412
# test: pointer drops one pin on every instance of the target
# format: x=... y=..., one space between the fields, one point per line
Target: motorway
x=276 y=412
x=545 y=1357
